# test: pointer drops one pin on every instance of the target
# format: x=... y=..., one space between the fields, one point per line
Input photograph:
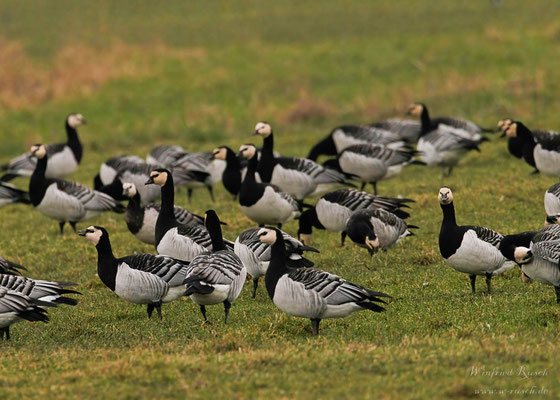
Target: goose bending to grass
x=15 y=306
x=256 y=255
x=10 y=195
x=64 y=158
x=141 y=278
x=46 y=291
x=333 y=210
x=65 y=201
x=375 y=228
x=470 y=249
x=312 y=293
x=216 y=276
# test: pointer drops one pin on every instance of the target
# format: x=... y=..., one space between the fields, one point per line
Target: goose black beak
x=84 y=122
x=256 y=133
x=150 y=181
x=82 y=232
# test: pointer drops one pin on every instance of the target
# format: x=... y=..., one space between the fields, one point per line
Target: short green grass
x=209 y=72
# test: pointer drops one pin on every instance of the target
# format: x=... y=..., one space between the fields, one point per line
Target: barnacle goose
x=64 y=158
x=552 y=200
x=15 y=306
x=231 y=176
x=540 y=149
x=470 y=249
x=444 y=141
x=262 y=202
x=370 y=163
x=9 y=195
x=216 y=276
x=298 y=176
x=514 y=144
x=312 y=293
x=333 y=210
x=130 y=169
x=9 y=267
x=255 y=254
x=141 y=278
x=173 y=239
x=375 y=228
x=46 y=291
x=141 y=220
x=65 y=201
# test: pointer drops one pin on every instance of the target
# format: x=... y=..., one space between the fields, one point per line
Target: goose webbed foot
x=342 y=238
x=5 y=332
x=227 y=306
x=315 y=326
x=557 y=290
x=489 y=281
x=255 y=286
x=473 y=283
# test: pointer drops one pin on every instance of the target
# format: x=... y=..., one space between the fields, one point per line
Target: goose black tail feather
x=35 y=314
x=412 y=226
x=371 y=306
x=401 y=214
x=66 y=300
x=299 y=263
x=195 y=286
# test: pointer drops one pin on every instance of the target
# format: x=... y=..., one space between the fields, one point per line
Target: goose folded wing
x=487 y=235
x=457 y=123
x=548 y=233
x=220 y=268
x=370 y=133
x=12 y=301
x=91 y=199
x=549 y=140
x=549 y=250
x=197 y=234
x=447 y=139
x=167 y=269
x=554 y=189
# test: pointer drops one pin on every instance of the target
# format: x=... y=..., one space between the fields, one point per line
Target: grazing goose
x=14 y=307
x=376 y=228
x=370 y=163
x=443 y=142
x=262 y=202
x=540 y=149
x=552 y=200
x=216 y=276
x=298 y=176
x=173 y=239
x=231 y=177
x=141 y=220
x=141 y=278
x=333 y=210
x=255 y=254
x=9 y=195
x=312 y=293
x=111 y=168
x=408 y=130
x=9 y=267
x=64 y=158
x=62 y=200
x=473 y=250
x=46 y=291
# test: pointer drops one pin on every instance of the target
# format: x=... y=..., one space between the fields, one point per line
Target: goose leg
x=489 y=281
x=374 y=184
x=342 y=238
x=363 y=186
x=2 y=332
x=315 y=326
x=61 y=227
x=150 y=310
x=227 y=306
x=73 y=225
x=473 y=282
x=203 y=311
x=189 y=194
x=279 y=226
x=211 y=191
x=255 y=286
x=449 y=171
x=158 y=309
x=557 y=290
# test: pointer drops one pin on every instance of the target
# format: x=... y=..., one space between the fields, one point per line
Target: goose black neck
x=251 y=170
x=212 y=224
x=74 y=141
x=309 y=220
x=524 y=133
x=425 y=121
x=134 y=203
x=38 y=183
x=448 y=215
x=266 y=163
x=277 y=267
x=106 y=262
x=232 y=162
x=231 y=177
x=168 y=198
x=324 y=147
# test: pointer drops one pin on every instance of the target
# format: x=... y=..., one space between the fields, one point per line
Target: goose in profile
x=10 y=194
x=470 y=249
x=231 y=176
x=64 y=158
x=375 y=228
x=141 y=278
x=333 y=210
x=298 y=176
x=514 y=144
x=62 y=200
x=10 y=267
x=141 y=220
x=216 y=276
x=173 y=239
x=264 y=203
x=312 y=293
x=255 y=254
x=14 y=307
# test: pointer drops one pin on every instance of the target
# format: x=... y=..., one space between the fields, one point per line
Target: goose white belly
x=292 y=298
x=366 y=168
x=8 y=318
x=551 y=204
x=174 y=293
x=433 y=156
x=271 y=208
x=393 y=171
x=340 y=310
x=297 y=183
x=542 y=271
x=255 y=267
x=218 y=295
x=216 y=169
x=332 y=216
x=61 y=164
x=139 y=287
x=475 y=256
x=60 y=205
x=107 y=174
x=180 y=247
x=547 y=161
x=147 y=232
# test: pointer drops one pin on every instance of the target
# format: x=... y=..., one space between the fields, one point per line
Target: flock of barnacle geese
x=194 y=259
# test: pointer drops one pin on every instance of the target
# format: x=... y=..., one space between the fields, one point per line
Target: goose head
x=263 y=129
x=511 y=129
x=158 y=176
x=39 y=151
x=220 y=153
x=75 y=120
x=416 y=109
x=268 y=235
x=247 y=151
x=552 y=220
x=445 y=196
x=129 y=189
x=522 y=255
x=94 y=234
x=371 y=242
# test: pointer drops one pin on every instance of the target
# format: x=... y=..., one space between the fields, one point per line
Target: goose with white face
x=247 y=151
x=39 y=151
x=76 y=120
x=129 y=189
x=92 y=234
x=219 y=153
x=511 y=130
x=415 y=109
x=445 y=196
x=522 y=255
x=157 y=177
x=267 y=236
x=263 y=129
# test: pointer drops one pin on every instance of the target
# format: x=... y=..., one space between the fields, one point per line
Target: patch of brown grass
x=306 y=108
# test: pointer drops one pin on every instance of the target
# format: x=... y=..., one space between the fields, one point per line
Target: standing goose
x=65 y=201
x=173 y=239
x=45 y=291
x=64 y=158
x=9 y=267
x=470 y=249
x=111 y=168
x=256 y=255
x=141 y=220
x=231 y=176
x=216 y=276
x=298 y=176
x=312 y=293
x=141 y=278
x=514 y=144
x=9 y=195
x=14 y=307
x=373 y=229
x=552 y=200
x=333 y=210
x=262 y=202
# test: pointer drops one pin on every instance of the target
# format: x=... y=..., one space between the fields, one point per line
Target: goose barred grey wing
x=9 y=267
x=355 y=199
x=548 y=233
x=92 y=200
x=406 y=129
x=39 y=289
x=487 y=235
x=549 y=250
x=218 y=268
x=369 y=134
x=462 y=124
x=554 y=189
x=165 y=155
x=445 y=139
x=317 y=172
x=23 y=306
x=124 y=162
x=168 y=269
x=389 y=156
x=198 y=234
x=10 y=194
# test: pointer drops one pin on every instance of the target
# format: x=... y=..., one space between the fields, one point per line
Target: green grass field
x=201 y=74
